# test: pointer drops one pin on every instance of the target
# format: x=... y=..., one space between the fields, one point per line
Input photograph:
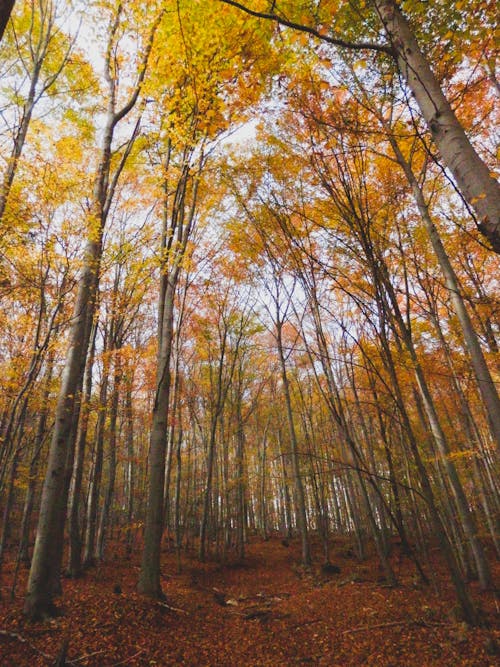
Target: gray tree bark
x=471 y=174
x=40 y=593
x=176 y=235
x=6 y=7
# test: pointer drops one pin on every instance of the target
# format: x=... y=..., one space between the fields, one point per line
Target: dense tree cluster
x=248 y=281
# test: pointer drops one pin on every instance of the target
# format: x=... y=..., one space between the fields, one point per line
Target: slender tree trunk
x=177 y=509
x=240 y=477
x=149 y=579
x=6 y=7
x=174 y=244
x=484 y=380
x=300 y=505
x=95 y=481
x=129 y=437
x=263 y=496
x=39 y=597
x=110 y=483
x=75 y=529
x=286 y=504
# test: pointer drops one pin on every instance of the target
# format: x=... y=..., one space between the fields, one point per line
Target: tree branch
x=336 y=41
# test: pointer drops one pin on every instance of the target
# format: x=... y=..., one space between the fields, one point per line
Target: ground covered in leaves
x=266 y=611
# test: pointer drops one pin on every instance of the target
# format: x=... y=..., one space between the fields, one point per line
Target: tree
x=202 y=83
x=6 y=7
x=472 y=176
x=44 y=574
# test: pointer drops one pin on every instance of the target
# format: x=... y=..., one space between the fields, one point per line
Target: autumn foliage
x=249 y=333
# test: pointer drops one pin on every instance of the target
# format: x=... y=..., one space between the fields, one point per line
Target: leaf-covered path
x=268 y=611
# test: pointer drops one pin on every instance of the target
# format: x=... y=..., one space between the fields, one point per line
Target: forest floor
x=267 y=611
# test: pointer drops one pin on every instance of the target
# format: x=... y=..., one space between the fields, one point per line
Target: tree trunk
x=240 y=477
x=95 y=480
x=466 y=516
x=483 y=377
x=6 y=7
x=110 y=483
x=74 y=528
x=129 y=437
x=300 y=505
x=471 y=174
x=39 y=600
x=149 y=578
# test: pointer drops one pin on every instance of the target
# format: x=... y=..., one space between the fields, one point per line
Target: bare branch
x=336 y=41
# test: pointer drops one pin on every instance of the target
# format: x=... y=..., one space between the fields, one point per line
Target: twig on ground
x=23 y=640
x=89 y=655
x=392 y=624
x=377 y=626
x=311 y=622
x=167 y=606
x=123 y=662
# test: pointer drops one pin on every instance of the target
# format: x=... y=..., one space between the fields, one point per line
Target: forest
x=249 y=333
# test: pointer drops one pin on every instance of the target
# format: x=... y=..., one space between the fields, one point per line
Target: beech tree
x=44 y=575
x=281 y=320
x=6 y=7
x=198 y=116
x=472 y=175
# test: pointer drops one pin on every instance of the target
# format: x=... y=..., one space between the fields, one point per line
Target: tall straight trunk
x=299 y=496
x=149 y=577
x=207 y=495
x=226 y=510
x=58 y=544
x=171 y=442
x=46 y=559
x=110 y=482
x=6 y=7
x=263 y=497
x=471 y=174
x=240 y=477
x=286 y=504
x=39 y=599
x=129 y=438
x=177 y=499
x=438 y=434
x=74 y=527
x=334 y=501
x=95 y=480
x=222 y=384
x=483 y=377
